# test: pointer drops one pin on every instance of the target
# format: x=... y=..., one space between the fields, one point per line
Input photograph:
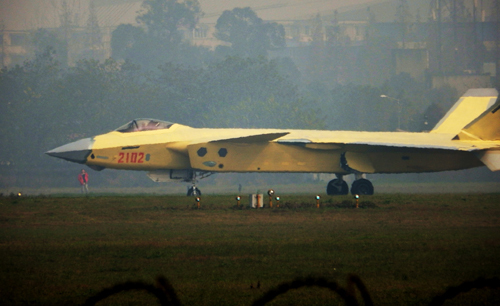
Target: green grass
x=405 y=248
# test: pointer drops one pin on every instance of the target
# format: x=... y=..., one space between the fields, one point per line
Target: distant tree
x=407 y=98
x=178 y=94
x=374 y=62
x=287 y=68
x=252 y=92
x=68 y=16
x=431 y=116
x=159 y=39
x=439 y=101
x=338 y=52
x=358 y=108
x=45 y=40
x=101 y=95
x=125 y=39
x=164 y=18
x=421 y=107
x=316 y=67
x=28 y=108
x=361 y=107
x=93 y=42
x=249 y=35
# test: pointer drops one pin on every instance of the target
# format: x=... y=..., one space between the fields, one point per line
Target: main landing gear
x=337 y=186
x=360 y=186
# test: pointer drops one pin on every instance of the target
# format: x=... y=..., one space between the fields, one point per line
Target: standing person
x=83 y=178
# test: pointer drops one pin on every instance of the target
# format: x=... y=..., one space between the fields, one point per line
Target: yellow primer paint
x=466 y=109
x=485 y=127
x=263 y=157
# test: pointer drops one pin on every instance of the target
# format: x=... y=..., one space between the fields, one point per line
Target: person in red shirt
x=83 y=178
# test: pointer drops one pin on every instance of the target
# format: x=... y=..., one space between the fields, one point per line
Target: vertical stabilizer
x=485 y=127
x=470 y=108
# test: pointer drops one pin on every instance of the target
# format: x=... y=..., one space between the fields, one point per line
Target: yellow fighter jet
x=467 y=136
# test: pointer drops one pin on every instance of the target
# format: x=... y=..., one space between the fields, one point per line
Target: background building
x=447 y=41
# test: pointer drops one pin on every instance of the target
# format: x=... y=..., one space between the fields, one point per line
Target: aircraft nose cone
x=76 y=152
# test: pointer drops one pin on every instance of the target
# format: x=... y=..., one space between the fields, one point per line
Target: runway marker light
x=270 y=192
x=198 y=202
x=238 y=199
x=356 y=196
x=277 y=202
x=317 y=200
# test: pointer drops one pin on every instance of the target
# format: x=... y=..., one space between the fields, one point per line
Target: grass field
x=405 y=248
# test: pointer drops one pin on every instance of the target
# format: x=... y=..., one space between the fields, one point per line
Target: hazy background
x=77 y=68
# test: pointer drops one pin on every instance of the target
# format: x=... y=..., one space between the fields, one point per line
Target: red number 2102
x=131 y=158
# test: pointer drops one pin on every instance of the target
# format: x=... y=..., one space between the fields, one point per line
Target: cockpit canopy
x=138 y=125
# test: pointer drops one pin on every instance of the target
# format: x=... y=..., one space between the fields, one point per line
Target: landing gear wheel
x=362 y=187
x=337 y=187
x=193 y=191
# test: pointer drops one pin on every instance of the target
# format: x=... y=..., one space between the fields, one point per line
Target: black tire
x=362 y=187
x=334 y=188
x=191 y=192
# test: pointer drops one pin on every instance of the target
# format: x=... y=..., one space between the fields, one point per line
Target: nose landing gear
x=193 y=191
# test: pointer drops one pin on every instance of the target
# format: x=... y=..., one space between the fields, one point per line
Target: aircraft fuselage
x=182 y=147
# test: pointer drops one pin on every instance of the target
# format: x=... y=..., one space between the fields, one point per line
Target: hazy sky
x=29 y=14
